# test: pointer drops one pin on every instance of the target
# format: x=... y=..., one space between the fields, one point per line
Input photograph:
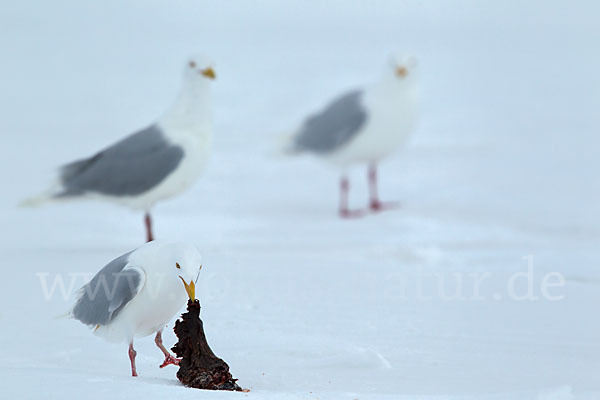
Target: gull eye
x=192 y=64
x=177 y=265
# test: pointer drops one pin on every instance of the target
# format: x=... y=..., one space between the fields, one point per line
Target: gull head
x=188 y=268
x=199 y=68
x=180 y=261
x=403 y=67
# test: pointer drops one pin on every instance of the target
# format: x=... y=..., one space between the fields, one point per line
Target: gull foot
x=377 y=206
x=352 y=213
x=170 y=360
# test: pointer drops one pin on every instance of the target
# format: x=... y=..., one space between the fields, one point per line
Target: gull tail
x=284 y=145
x=66 y=315
x=36 y=201
x=51 y=195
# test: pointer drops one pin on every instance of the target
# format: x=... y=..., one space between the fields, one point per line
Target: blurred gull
x=137 y=294
x=362 y=127
x=150 y=165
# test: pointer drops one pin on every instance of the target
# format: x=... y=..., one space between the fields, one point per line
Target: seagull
x=152 y=164
x=363 y=126
x=137 y=294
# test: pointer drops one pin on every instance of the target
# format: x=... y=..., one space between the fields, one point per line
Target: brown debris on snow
x=199 y=367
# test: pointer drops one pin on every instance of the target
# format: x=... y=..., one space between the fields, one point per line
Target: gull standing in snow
x=150 y=165
x=363 y=127
x=136 y=295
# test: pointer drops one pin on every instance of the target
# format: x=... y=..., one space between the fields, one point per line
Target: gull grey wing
x=129 y=167
x=333 y=127
x=102 y=298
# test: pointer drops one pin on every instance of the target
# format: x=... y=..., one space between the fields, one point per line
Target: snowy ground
x=303 y=305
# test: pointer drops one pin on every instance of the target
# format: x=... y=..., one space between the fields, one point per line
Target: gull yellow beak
x=190 y=288
x=401 y=72
x=209 y=73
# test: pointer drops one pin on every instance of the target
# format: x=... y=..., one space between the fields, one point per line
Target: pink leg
x=132 y=354
x=375 y=204
x=169 y=359
x=345 y=212
x=148 y=223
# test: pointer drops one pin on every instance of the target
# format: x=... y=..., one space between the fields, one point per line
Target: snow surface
x=301 y=304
